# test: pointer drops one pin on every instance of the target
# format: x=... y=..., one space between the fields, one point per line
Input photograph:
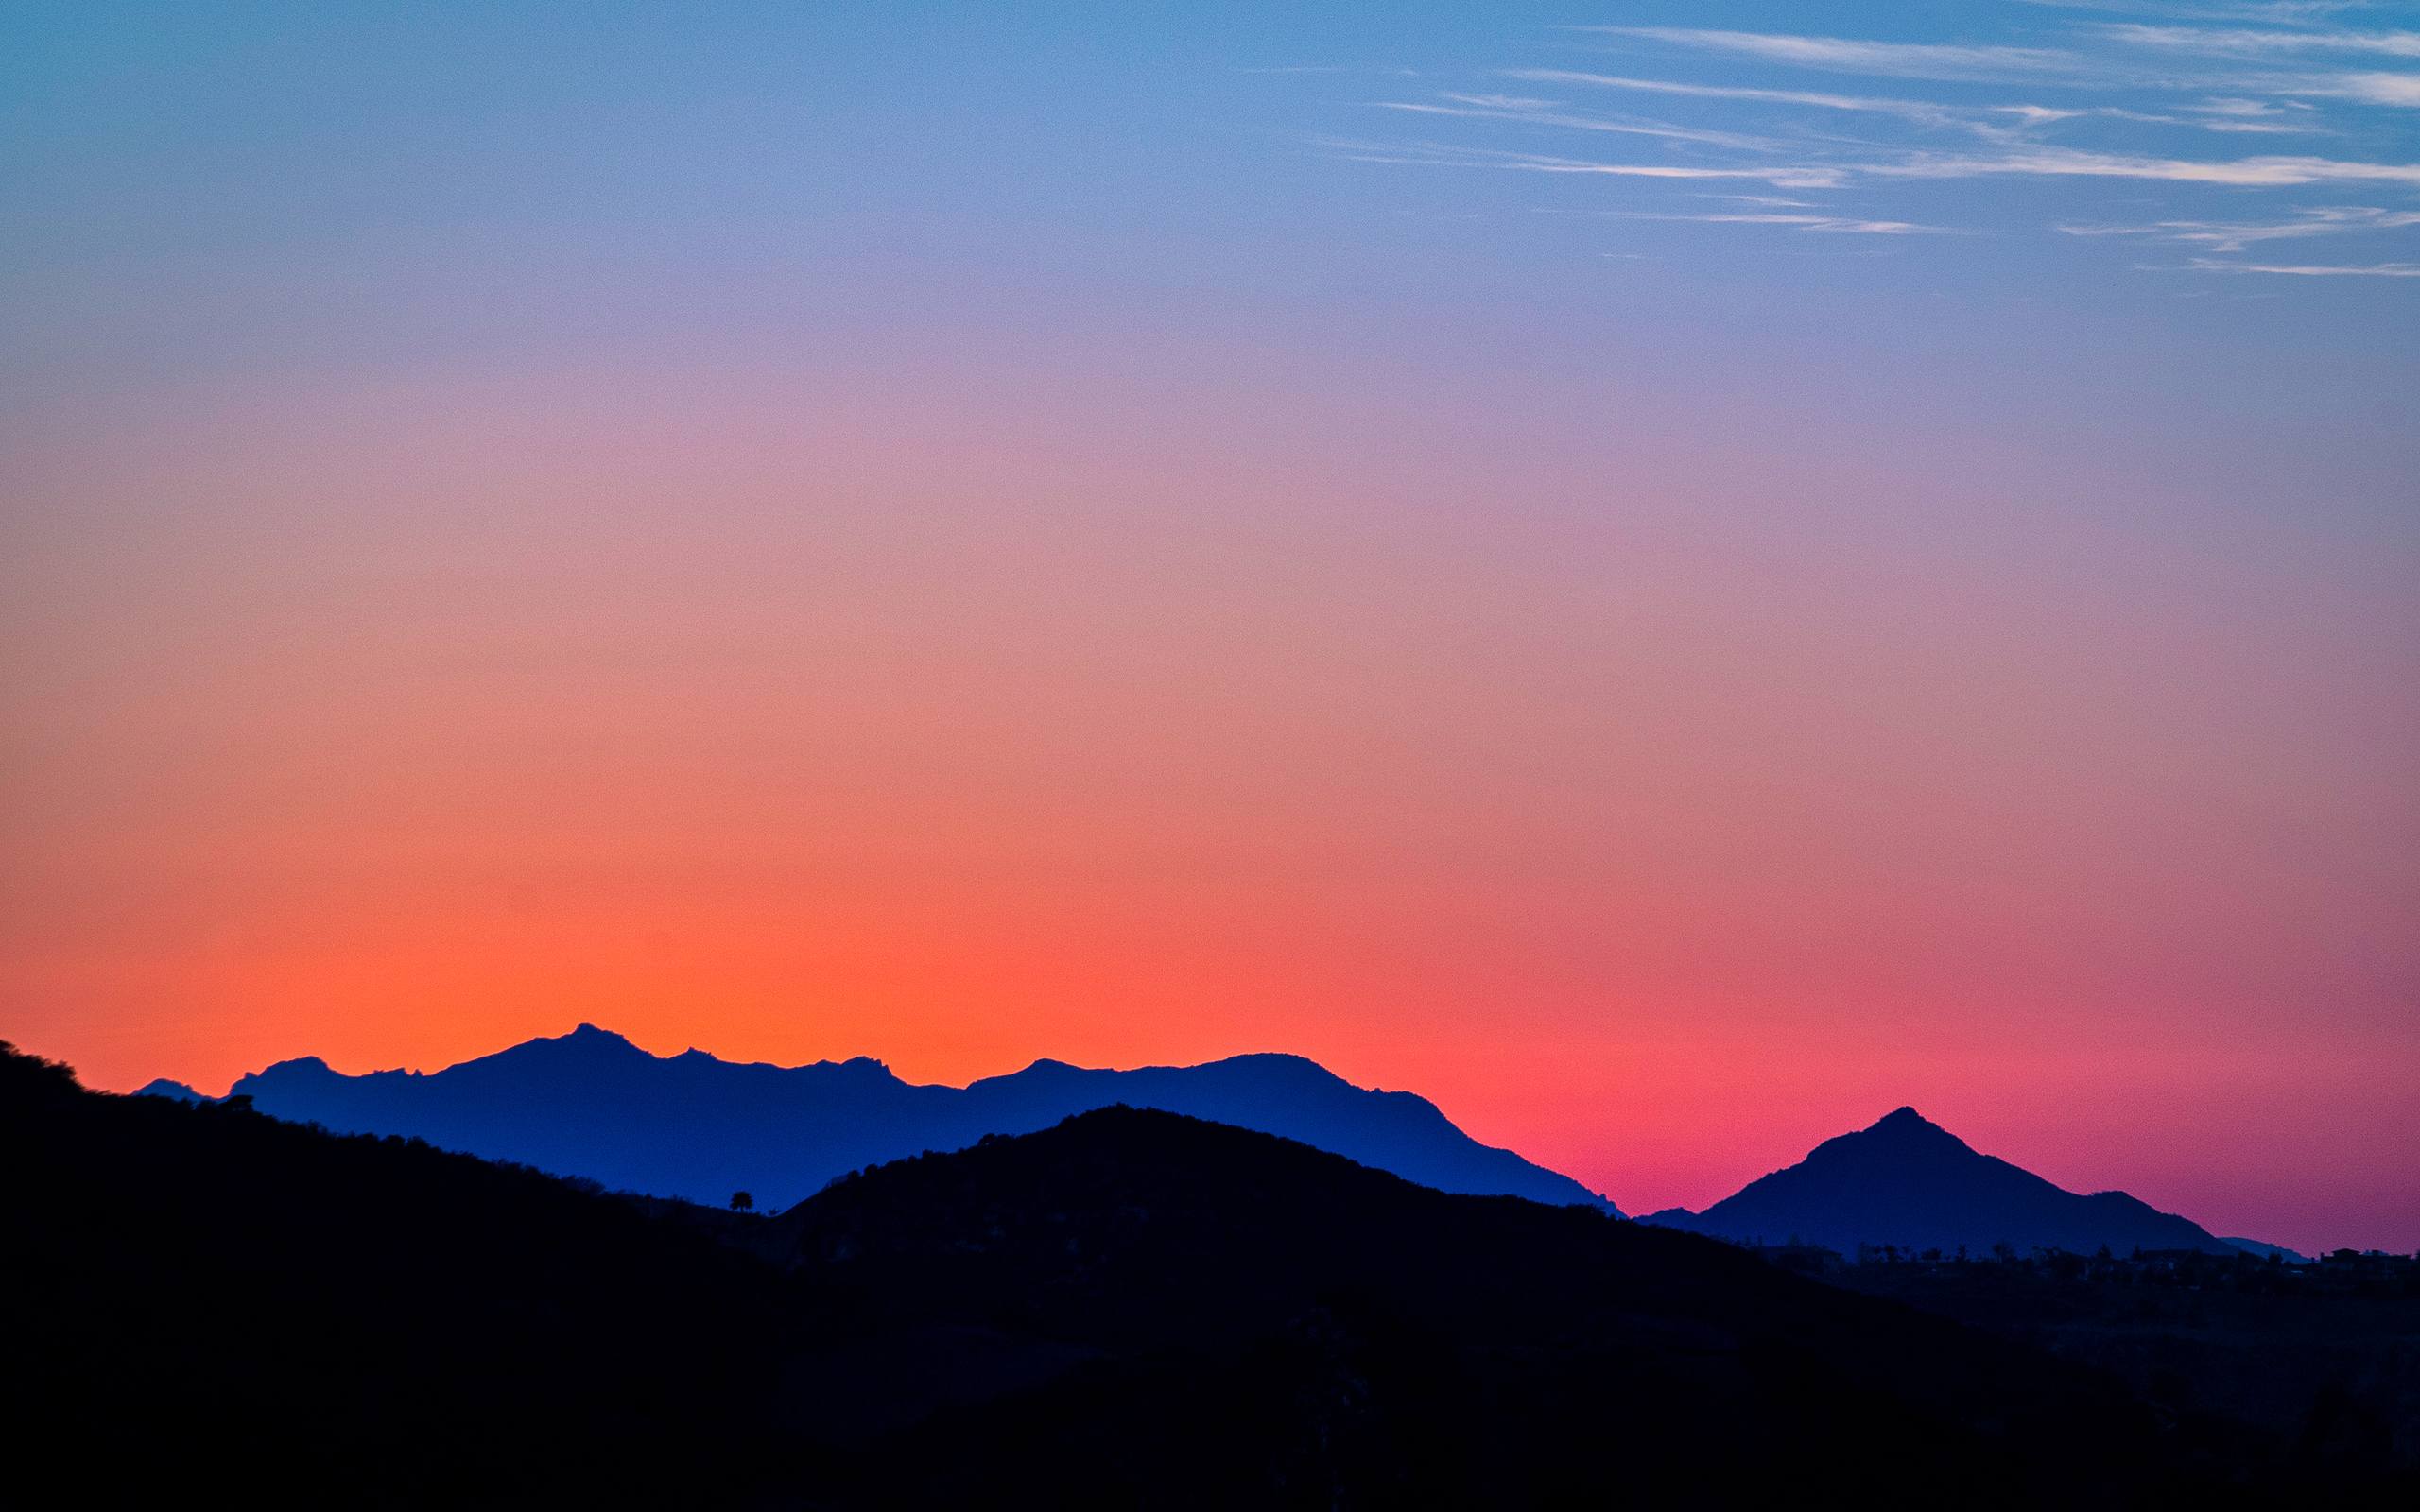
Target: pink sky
x=1656 y=779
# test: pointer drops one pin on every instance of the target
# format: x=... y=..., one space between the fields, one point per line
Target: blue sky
x=1742 y=187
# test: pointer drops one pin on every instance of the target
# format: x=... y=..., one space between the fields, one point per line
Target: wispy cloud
x=2033 y=162
x=2265 y=172
x=1335 y=68
x=2256 y=117
x=2212 y=265
x=2157 y=94
x=1912 y=110
x=2275 y=46
x=1841 y=224
x=1443 y=155
x=2238 y=42
x=1547 y=113
x=1907 y=59
x=2242 y=108
x=2276 y=12
x=2369 y=87
x=2236 y=236
x=1985 y=120
x=1982 y=61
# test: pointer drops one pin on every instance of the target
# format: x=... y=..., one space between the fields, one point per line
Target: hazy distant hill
x=592 y=1104
x=2264 y=1249
x=1909 y=1182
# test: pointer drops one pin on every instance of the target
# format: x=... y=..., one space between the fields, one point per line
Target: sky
x=1671 y=576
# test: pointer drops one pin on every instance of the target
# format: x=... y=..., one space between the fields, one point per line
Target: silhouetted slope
x=1909 y=1182
x=1282 y=1323
x=592 y=1104
x=207 y=1303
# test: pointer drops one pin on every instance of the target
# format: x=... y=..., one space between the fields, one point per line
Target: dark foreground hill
x=1130 y=1308
x=1271 y=1318
x=592 y=1104
x=1912 y=1184
x=208 y=1302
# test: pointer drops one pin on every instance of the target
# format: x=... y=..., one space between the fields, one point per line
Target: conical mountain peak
x=1906 y=1126
x=1901 y=1131
x=1904 y=1180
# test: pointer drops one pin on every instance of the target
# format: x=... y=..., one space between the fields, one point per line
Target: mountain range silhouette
x=1906 y=1181
x=592 y=1104
x=1128 y=1309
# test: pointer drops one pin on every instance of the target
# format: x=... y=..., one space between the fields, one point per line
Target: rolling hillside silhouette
x=1131 y=1308
x=592 y=1104
x=1907 y=1182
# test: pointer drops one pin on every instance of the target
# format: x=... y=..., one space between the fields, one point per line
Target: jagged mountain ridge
x=592 y=1104
x=1906 y=1182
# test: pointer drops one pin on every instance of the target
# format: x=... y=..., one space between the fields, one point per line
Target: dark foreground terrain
x=1129 y=1309
x=2324 y=1357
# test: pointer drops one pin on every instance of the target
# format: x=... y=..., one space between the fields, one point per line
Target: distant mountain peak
x=869 y=1067
x=1906 y=1180
x=1277 y=1063
x=590 y=1103
x=1280 y=1060
x=1901 y=1131
x=300 y=1065
x=585 y=1041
